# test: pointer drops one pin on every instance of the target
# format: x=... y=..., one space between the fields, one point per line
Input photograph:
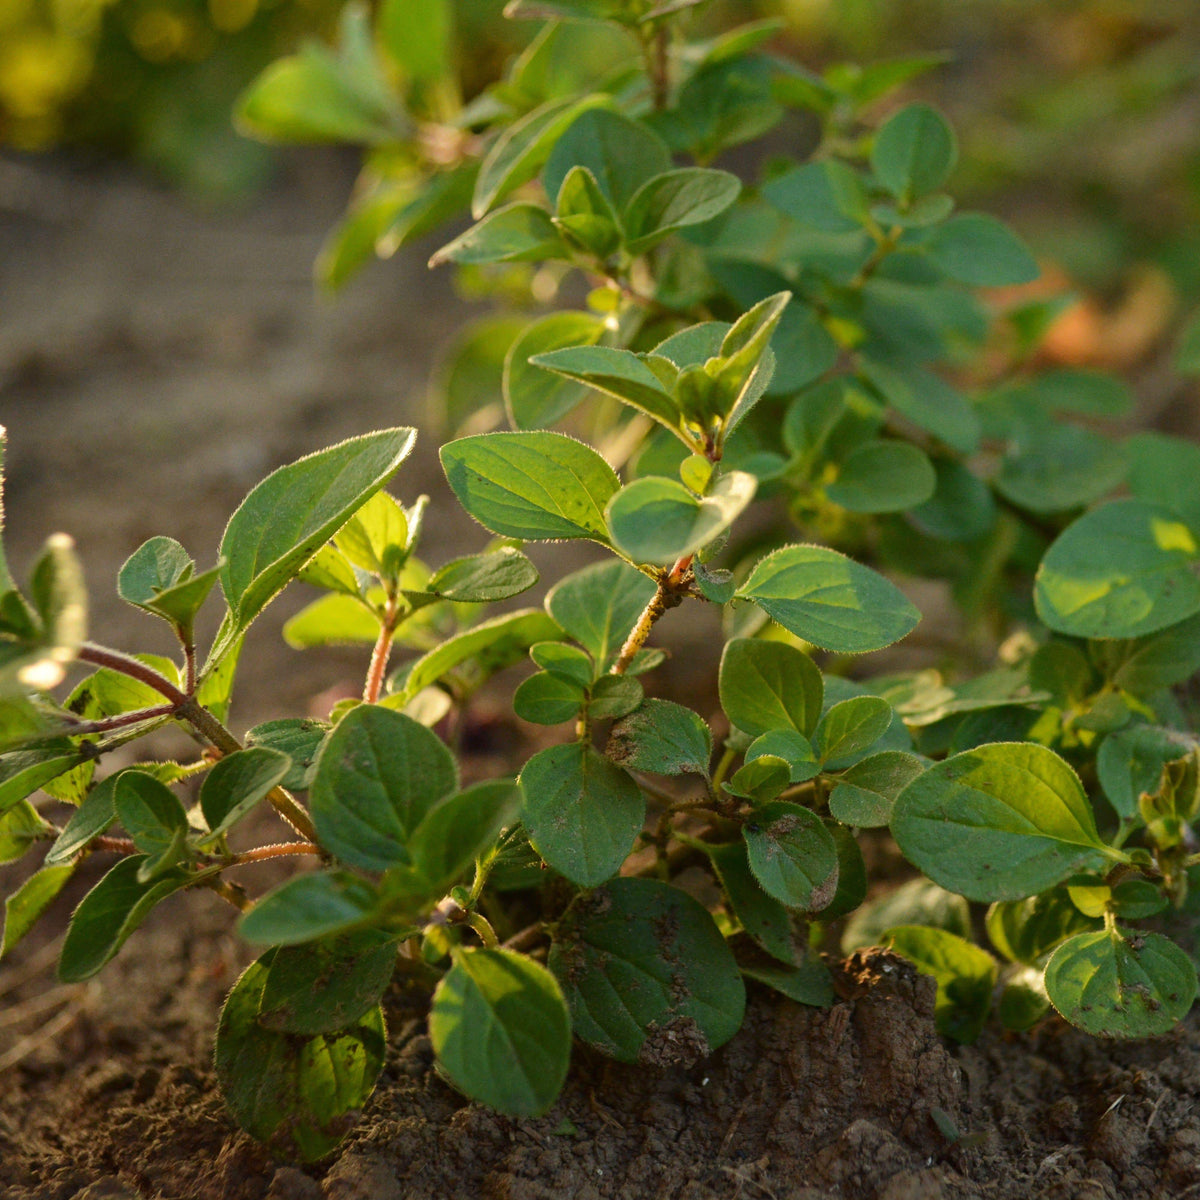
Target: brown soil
x=153 y=365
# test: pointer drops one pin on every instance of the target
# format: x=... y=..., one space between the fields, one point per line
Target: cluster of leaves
x=785 y=341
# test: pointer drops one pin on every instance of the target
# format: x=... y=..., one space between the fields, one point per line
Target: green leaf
x=792 y=855
x=22 y=772
x=914 y=152
x=515 y=233
x=1055 y=467
x=977 y=249
x=237 y=783
x=92 y=818
x=534 y=397
x=1163 y=470
x=584 y=215
x=458 y=829
x=482 y=650
x=23 y=907
x=333 y=620
x=965 y=976
x=675 y=200
x=1130 y=762
x=826 y=195
x=614 y=696
x=326 y=986
x=599 y=606
x=376 y=537
x=767 y=685
x=309 y=907
x=622 y=154
x=582 y=812
x=962 y=508
x=794 y=748
x=810 y=983
x=519 y=152
x=883 y=476
x=830 y=600
x=481 y=578
x=658 y=520
x=760 y=780
x=1187 y=352
x=546 y=699
x=1146 y=665
x=618 y=373
x=1123 y=570
x=1121 y=984
x=159 y=577
x=109 y=913
x=763 y=917
x=929 y=403
x=378 y=774
x=21 y=827
x=532 y=485
x=417 y=34
x=154 y=818
x=567 y=662
x=864 y=795
x=646 y=973
x=918 y=902
x=286 y=518
x=1027 y=931
x=501 y=1031
x=851 y=726
x=296 y=1094
x=999 y=822
x=661 y=737
x=299 y=738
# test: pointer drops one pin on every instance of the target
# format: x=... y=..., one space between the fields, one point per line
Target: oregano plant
x=771 y=399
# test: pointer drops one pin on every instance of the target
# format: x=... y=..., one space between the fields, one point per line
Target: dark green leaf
x=979 y=250
x=565 y=661
x=675 y=200
x=1121 y=984
x=159 y=577
x=760 y=779
x=599 y=606
x=1000 y=822
x=766 y=685
x=864 y=795
x=237 y=783
x=826 y=195
x=614 y=696
x=1131 y=762
x=458 y=829
x=22 y=772
x=661 y=737
x=830 y=600
x=883 y=476
x=582 y=812
x=326 y=986
x=928 y=402
x=851 y=727
x=483 y=578
x=647 y=974
x=794 y=748
x=531 y=485
x=962 y=508
x=309 y=907
x=792 y=855
x=763 y=917
x=299 y=738
x=546 y=699
x=154 y=818
x=501 y=1031
x=378 y=774
x=1123 y=570
x=534 y=397
x=295 y=1094
x=1056 y=467
x=914 y=152
x=515 y=233
x=810 y=983
x=1163 y=470
x=1148 y=664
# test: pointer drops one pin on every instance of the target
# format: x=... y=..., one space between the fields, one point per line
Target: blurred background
x=162 y=345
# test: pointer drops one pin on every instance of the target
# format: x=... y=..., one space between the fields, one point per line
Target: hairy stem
x=275 y=850
x=126 y=664
x=108 y=724
x=670 y=592
x=379 y=656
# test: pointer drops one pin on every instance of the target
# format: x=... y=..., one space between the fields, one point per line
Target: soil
x=155 y=363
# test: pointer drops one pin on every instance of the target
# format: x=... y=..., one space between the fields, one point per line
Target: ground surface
x=154 y=364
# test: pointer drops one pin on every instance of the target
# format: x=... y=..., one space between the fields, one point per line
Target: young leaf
x=286 y=518
x=1000 y=822
x=864 y=795
x=830 y=600
x=1130 y=762
x=237 y=783
x=532 y=485
x=978 y=250
x=378 y=774
x=1027 y=931
x=1123 y=570
x=657 y=520
x=647 y=974
x=965 y=976
x=23 y=907
x=21 y=827
x=159 y=577
x=501 y=1031
x=792 y=855
x=1114 y=983
x=327 y=985
x=309 y=907
x=294 y=1093
x=769 y=685
x=546 y=699
x=515 y=233
x=675 y=200
x=332 y=620
x=599 y=605
x=418 y=35
x=851 y=726
x=482 y=650
x=792 y=747
x=661 y=737
x=582 y=812
x=761 y=779
x=110 y=912
x=618 y=373
x=914 y=152
x=533 y=397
